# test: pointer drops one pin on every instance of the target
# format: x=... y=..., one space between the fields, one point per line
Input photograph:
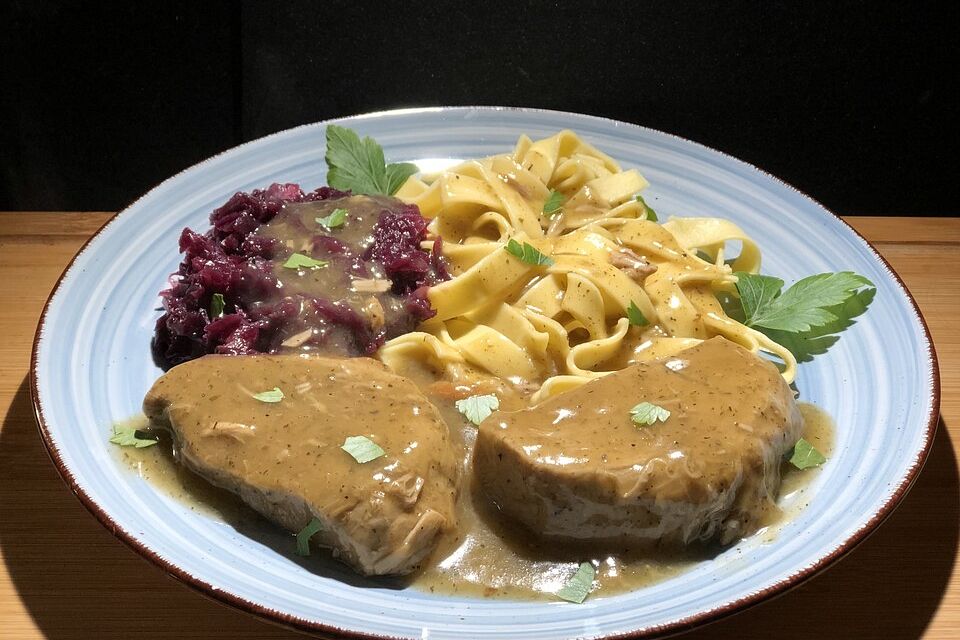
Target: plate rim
x=302 y=624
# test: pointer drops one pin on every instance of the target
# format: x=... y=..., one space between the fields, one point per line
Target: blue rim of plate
x=673 y=627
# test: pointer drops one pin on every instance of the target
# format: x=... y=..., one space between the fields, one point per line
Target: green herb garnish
x=804 y=317
x=303 y=537
x=358 y=165
x=803 y=306
x=132 y=437
x=805 y=455
x=635 y=316
x=362 y=448
x=647 y=413
x=476 y=409
x=336 y=219
x=216 y=306
x=554 y=203
x=527 y=253
x=300 y=261
x=651 y=214
x=580 y=585
x=272 y=396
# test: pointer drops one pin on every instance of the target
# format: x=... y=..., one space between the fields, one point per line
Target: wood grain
x=65 y=577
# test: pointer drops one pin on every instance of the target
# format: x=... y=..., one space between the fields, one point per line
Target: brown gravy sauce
x=486 y=557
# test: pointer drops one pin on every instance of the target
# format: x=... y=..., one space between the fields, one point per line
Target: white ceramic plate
x=92 y=365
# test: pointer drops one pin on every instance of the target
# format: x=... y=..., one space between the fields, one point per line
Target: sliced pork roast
x=284 y=458
x=577 y=468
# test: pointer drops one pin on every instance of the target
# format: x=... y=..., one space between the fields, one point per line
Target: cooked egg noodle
x=565 y=324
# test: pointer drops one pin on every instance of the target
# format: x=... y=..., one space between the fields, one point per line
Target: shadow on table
x=77 y=581
x=73 y=576
x=890 y=586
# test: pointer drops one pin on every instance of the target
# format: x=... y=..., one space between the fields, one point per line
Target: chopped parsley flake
x=580 y=585
x=362 y=448
x=805 y=455
x=647 y=413
x=126 y=436
x=554 y=204
x=303 y=537
x=300 y=261
x=476 y=409
x=635 y=316
x=336 y=219
x=527 y=253
x=651 y=214
x=272 y=396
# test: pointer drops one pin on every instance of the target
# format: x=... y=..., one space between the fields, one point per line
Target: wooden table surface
x=64 y=576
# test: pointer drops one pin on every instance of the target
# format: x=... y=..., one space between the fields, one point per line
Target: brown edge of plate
x=672 y=628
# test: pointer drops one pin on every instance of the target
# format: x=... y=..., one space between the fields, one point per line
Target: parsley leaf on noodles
x=651 y=214
x=554 y=203
x=358 y=165
x=527 y=253
x=635 y=316
x=805 y=316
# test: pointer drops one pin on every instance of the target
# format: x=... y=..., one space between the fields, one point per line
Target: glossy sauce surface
x=285 y=457
x=337 y=306
x=576 y=467
x=484 y=556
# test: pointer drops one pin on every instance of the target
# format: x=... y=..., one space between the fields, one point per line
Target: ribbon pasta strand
x=562 y=324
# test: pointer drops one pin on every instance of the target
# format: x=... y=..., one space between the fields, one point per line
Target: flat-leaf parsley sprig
x=357 y=165
x=805 y=316
x=528 y=253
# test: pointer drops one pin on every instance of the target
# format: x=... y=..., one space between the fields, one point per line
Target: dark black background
x=853 y=102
